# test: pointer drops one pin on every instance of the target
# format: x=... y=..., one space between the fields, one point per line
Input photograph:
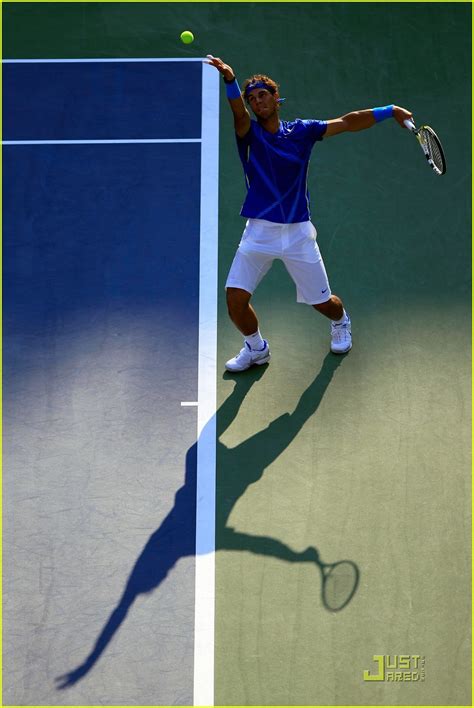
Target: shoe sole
x=342 y=352
x=263 y=361
x=254 y=363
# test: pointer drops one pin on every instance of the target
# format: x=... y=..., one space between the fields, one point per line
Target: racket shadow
x=340 y=581
x=175 y=537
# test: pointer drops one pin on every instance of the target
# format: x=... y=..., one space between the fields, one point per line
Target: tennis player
x=275 y=156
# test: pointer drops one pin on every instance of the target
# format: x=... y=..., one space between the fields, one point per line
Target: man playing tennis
x=275 y=156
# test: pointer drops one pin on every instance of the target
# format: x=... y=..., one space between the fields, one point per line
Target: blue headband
x=260 y=84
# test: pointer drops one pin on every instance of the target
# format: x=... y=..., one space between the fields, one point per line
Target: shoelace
x=244 y=354
x=340 y=332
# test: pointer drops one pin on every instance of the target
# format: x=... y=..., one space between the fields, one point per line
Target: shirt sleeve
x=316 y=128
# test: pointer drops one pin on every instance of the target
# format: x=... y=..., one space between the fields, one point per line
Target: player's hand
x=226 y=70
x=401 y=114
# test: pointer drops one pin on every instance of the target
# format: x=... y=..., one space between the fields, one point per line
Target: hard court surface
x=363 y=457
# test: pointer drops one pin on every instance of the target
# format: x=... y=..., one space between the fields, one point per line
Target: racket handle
x=409 y=124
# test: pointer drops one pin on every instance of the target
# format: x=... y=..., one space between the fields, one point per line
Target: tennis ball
x=187 y=37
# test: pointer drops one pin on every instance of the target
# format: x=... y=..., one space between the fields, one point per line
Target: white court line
x=206 y=446
x=87 y=61
x=189 y=403
x=101 y=142
x=97 y=142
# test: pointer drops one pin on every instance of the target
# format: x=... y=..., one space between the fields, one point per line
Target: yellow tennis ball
x=187 y=37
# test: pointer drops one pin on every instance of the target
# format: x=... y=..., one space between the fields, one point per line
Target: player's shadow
x=238 y=467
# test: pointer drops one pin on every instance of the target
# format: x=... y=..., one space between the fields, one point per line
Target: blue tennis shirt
x=276 y=170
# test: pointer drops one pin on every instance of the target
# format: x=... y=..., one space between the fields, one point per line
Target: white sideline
x=206 y=447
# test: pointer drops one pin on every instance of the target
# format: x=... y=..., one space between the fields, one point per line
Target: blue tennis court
x=110 y=224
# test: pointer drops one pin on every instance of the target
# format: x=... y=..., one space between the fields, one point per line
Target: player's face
x=263 y=103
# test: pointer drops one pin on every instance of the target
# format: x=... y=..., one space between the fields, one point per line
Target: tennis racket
x=340 y=581
x=431 y=146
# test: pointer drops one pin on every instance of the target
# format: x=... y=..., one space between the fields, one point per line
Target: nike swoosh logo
x=324 y=291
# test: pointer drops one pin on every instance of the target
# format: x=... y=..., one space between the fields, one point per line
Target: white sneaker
x=341 y=337
x=247 y=357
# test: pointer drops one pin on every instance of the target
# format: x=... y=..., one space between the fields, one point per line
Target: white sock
x=343 y=319
x=255 y=341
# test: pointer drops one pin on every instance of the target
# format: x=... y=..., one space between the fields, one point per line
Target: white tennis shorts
x=294 y=244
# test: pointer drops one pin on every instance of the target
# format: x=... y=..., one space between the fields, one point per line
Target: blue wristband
x=233 y=89
x=383 y=113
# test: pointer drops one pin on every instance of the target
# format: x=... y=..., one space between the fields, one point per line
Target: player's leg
x=246 y=272
x=341 y=332
x=241 y=311
x=306 y=267
x=332 y=308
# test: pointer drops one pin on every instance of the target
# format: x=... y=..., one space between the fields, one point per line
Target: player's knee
x=237 y=300
x=323 y=307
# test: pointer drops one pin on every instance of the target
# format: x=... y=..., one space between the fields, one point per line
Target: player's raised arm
x=236 y=102
x=360 y=120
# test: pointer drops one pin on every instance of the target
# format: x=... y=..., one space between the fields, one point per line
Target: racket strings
x=434 y=153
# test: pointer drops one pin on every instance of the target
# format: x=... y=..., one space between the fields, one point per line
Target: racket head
x=340 y=581
x=432 y=148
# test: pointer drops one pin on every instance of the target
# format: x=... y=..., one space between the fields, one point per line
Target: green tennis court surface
x=364 y=458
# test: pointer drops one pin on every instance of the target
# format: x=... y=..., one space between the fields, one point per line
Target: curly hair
x=273 y=86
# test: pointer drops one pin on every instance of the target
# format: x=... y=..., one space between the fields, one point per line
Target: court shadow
x=245 y=464
x=238 y=468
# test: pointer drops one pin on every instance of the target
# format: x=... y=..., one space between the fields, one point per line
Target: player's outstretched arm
x=236 y=102
x=360 y=120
